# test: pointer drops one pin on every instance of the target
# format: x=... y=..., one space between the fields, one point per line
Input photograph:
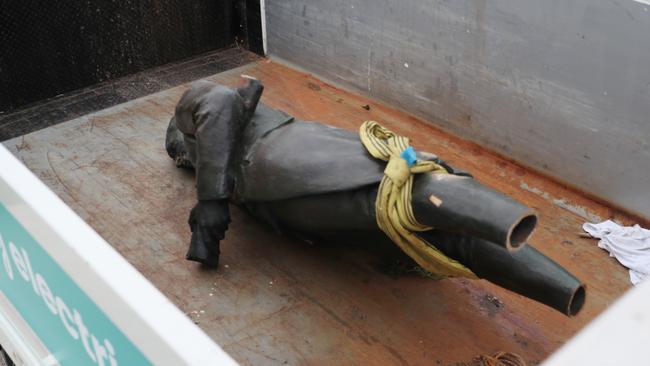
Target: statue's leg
x=327 y=213
x=446 y=202
x=463 y=205
x=339 y=218
x=526 y=271
x=176 y=147
x=449 y=203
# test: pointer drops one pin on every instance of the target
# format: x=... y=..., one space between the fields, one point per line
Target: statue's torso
x=285 y=158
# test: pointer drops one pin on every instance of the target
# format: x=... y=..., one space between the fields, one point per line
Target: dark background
x=51 y=47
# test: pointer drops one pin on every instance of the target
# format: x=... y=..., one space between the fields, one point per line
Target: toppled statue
x=321 y=182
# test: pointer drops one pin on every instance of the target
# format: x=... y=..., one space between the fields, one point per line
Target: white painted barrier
x=619 y=336
x=67 y=297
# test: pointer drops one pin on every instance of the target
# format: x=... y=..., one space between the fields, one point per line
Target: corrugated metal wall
x=561 y=86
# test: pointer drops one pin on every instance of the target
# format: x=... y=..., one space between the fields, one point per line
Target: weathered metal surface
x=563 y=87
x=276 y=300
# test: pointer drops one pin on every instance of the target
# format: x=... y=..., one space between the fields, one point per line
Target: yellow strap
x=393 y=206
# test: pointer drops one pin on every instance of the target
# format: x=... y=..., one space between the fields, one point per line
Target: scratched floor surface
x=275 y=300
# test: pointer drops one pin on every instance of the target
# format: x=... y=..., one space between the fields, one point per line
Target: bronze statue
x=319 y=182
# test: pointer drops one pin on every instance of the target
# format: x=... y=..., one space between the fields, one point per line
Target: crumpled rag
x=630 y=245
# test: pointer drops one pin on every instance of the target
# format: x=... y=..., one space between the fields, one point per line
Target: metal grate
x=49 y=47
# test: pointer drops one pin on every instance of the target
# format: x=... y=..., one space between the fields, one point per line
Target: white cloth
x=629 y=245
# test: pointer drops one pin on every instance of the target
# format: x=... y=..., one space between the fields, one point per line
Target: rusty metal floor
x=275 y=300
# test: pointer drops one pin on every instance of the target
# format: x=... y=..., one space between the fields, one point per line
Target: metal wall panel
x=563 y=87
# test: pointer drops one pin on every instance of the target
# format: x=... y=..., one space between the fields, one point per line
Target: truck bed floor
x=276 y=300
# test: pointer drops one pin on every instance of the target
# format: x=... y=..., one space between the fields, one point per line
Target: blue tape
x=409 y=155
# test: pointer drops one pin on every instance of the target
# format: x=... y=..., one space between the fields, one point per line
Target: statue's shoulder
x=267 y=115
x=264 y=120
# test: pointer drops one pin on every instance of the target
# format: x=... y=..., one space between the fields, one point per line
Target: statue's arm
x=214 y=115
x=211 y=115
x=217 y=133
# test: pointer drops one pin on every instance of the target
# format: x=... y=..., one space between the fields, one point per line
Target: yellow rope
x=393 y=206
x=502 y=359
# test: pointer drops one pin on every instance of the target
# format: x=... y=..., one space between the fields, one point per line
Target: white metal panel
x=160 y=331
x=619 y=336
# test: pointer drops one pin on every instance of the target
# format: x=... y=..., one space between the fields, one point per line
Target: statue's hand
x=208 y=221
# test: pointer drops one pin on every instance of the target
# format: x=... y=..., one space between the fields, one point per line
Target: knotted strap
x=393 y=206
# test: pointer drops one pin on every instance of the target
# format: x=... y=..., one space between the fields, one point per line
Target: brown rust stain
x=275 y=300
